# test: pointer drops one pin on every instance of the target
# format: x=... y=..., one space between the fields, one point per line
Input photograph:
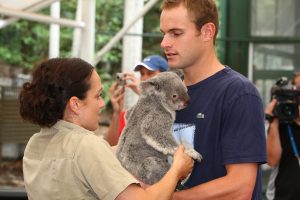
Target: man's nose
x=164 y=43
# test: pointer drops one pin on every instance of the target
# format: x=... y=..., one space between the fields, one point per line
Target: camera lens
x=288 y=110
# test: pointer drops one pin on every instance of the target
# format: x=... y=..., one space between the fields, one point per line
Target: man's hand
x=132 y=82
x=270 y=107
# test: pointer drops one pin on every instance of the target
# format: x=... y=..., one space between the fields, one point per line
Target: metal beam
x=77 y=32
x=41 y=18
x=88 y=14
x=123 y=31
x=31 y=8
x=238 y=26
x=54 y=32
x=132 y=45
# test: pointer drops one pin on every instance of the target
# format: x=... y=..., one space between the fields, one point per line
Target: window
x=278 y=23
x=275 y=18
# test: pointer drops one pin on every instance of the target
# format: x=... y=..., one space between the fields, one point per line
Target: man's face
x=297 y=83
x=146 y=73
x=182 y=42
x=297 y=80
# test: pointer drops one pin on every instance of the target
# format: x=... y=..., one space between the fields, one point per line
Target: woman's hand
x=182 y=163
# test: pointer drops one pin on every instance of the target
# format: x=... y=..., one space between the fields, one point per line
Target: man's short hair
x=200 y=11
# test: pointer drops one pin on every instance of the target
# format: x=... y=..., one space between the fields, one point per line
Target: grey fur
x=147 y=139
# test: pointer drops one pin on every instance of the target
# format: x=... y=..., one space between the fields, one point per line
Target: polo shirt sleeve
x=243 y=136
x=100 y=169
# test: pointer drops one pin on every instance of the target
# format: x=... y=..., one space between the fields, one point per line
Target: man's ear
x=208 y=31
x=74 y=104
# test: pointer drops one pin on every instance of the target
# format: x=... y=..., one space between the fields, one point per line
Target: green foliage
x=25 y=43
x=106 y=80
x=21 y=47
x=152 y=40
x=109 y=20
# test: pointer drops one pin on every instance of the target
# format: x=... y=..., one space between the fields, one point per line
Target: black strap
x=269 y=118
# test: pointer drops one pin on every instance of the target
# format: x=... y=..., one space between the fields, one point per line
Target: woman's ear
x=208 y=31
x=72 y=110
x=74 y=104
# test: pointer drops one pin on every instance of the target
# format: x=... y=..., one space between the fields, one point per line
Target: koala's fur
x=147 y=139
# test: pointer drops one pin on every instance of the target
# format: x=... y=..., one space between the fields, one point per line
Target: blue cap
x=153 y=63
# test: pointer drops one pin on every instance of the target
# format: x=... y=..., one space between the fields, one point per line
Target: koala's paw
x=194 y=154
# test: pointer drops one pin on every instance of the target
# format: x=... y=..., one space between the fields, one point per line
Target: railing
x=12 y=127
x=10 y=193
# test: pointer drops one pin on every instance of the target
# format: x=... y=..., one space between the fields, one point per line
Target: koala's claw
x=194 y=154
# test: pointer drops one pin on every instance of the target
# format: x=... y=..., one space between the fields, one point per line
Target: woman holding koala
x=65 y=160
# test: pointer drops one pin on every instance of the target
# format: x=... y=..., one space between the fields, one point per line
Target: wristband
x=269 y=118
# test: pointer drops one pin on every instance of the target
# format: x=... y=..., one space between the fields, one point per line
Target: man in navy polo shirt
x=225 y=118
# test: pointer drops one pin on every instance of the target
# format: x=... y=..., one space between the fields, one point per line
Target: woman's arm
x=164 y=189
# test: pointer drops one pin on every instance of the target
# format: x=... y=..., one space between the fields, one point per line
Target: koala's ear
x=149 y=86
x=179 y=72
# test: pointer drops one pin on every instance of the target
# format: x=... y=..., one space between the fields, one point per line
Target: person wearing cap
x=149 y=67
x=283 y=143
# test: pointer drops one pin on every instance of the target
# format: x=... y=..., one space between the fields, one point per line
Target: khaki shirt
x=67 y=161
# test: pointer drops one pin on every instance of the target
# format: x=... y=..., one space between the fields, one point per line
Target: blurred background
x=258 y=38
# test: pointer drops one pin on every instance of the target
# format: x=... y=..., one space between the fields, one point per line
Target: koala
x=147 y=140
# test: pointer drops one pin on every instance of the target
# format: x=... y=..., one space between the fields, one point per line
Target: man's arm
x=274 y=149
x=238 y=184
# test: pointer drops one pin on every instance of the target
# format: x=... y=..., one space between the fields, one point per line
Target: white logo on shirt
x=184 y=134
x=200 y=116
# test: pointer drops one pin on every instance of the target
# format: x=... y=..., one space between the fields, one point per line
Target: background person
x=225 y=118
x=65 y=160
x=149 y=67
x=281 y=153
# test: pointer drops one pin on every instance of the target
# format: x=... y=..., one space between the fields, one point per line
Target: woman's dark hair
x=54 y=82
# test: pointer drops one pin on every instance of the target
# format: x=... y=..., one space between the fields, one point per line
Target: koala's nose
x=187 y=102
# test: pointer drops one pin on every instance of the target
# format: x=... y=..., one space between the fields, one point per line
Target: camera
x=120 y=78
x=286 y=94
